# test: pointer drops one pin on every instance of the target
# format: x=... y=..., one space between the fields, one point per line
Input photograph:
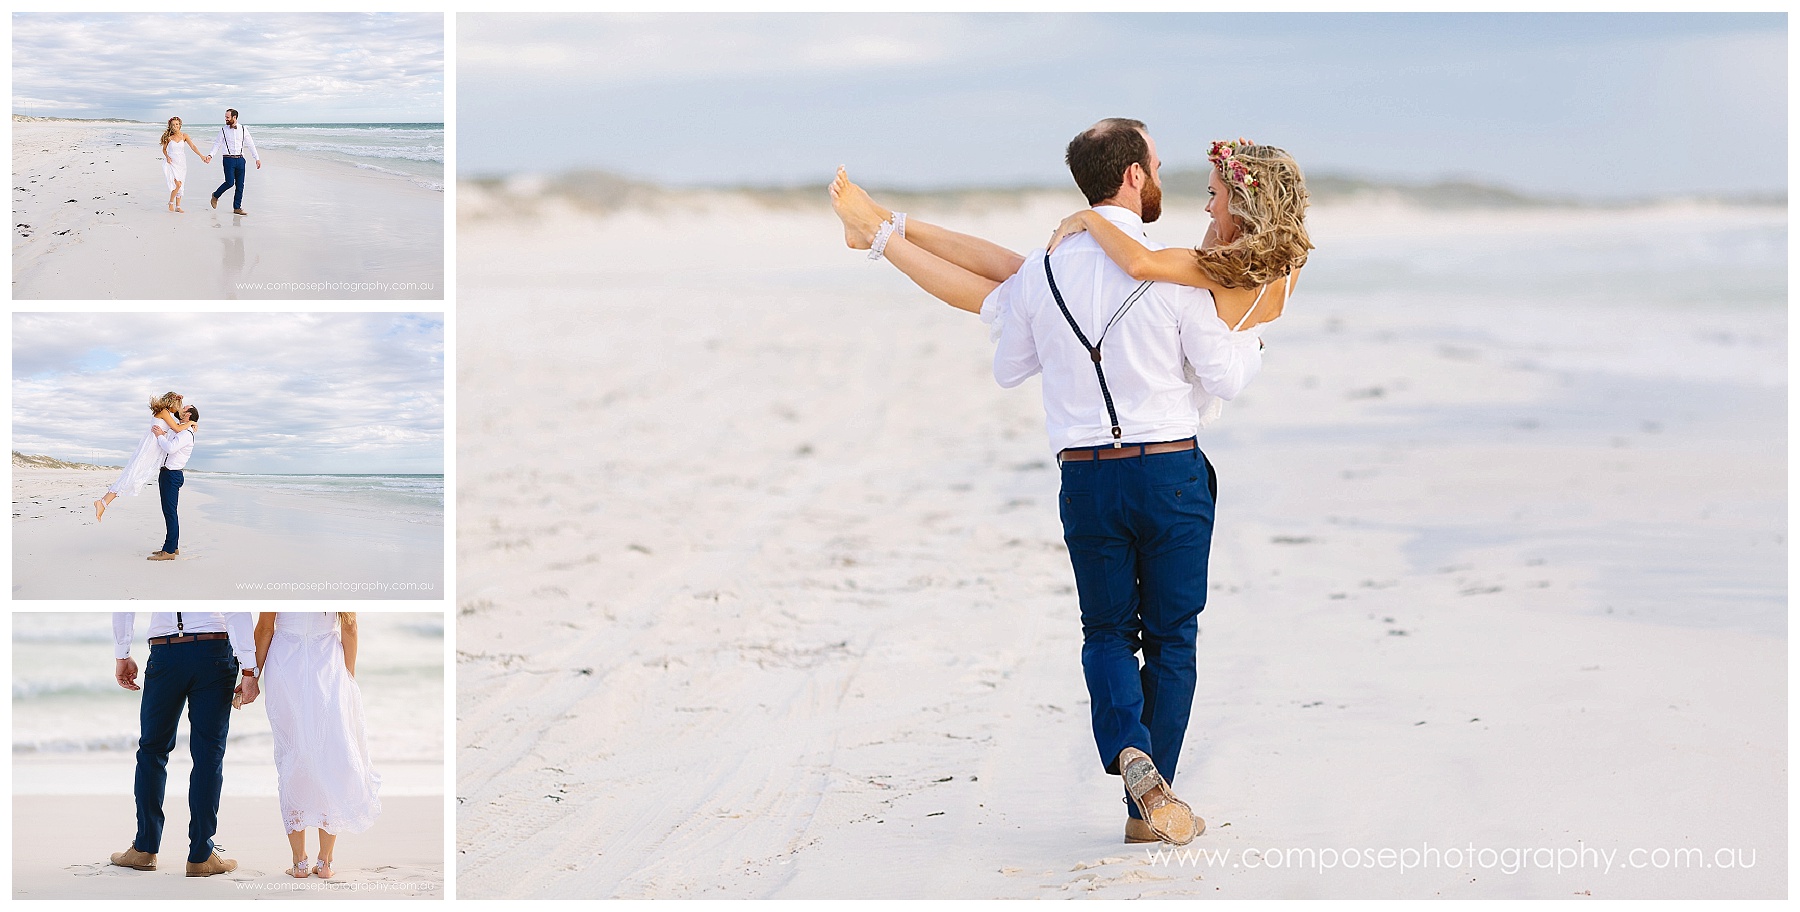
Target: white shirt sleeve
x=1225 y=361
x=169 y=443
x=249 y=144
x=1015 y=351
x=243 y=638
x=218 y=141
x=123 y=621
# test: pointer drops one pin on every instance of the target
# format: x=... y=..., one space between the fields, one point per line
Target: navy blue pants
x=234 y=175
x=1139 y=532
x=168 y=489
x=201 y=676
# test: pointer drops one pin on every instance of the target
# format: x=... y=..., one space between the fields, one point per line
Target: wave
x=427 y=184
x=430 y=154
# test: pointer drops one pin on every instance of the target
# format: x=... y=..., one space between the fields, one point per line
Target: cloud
x=316 y=392
x=287 y=68
x=1593 y=105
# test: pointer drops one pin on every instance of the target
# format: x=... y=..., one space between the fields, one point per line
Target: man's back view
x=1137 y=494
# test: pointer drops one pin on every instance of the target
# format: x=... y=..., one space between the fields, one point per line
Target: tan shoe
x=1167 y=816
x=211 y=866
x=215 y=202
x=132 y=858
x=239 y=212
x=164 y=555
x=1137 y=831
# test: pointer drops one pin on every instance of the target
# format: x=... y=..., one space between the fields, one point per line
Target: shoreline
x=292 y=549
x=96 y=225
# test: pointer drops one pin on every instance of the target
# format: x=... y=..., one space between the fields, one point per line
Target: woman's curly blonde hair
x=169 y=130
x=1271 y=218
x=165 y=401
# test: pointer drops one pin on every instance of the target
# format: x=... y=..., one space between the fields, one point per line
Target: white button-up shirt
x=234 y=140
x=177 y=446
x=1142 y=354
x=162 y=624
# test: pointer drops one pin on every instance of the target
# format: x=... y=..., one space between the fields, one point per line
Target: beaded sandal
x=299 y=869
x=323 y=870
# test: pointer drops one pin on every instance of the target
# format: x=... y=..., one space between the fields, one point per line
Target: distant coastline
x=605 y=191
x=27 y=118
x=29 y=461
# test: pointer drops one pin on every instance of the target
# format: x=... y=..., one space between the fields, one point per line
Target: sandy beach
x=401 y=857
x=89 y=221
x=762 y=592
x=235 y=543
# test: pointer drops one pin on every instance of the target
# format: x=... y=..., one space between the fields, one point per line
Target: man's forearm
x=982 y=257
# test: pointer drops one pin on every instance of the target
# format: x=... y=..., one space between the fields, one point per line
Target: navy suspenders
x=1093 y=349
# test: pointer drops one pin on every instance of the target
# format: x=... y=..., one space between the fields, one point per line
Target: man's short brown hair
x=1099 y=156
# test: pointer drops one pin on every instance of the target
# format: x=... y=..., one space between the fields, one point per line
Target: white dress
x=178 y=170
x=322 y=766
x=141 y=468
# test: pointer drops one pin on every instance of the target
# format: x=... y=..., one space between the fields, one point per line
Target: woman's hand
x=1071 y=226
x=167 y=158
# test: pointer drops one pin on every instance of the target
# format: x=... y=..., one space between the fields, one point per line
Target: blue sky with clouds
x=271 y=67
x=1596 y=105
x=277 y=393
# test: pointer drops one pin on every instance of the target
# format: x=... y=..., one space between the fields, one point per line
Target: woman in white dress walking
x=140 y=469
x=175 y=160
x=315 y=711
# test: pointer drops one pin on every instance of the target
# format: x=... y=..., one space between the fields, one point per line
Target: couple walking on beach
x=162 y=453
x=1135 y=360
x=212 y=663
x=232 y=139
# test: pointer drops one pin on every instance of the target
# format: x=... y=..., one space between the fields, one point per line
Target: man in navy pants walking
x=233 y=140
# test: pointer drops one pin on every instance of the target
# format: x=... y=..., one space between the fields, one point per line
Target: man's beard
x=1151 y=200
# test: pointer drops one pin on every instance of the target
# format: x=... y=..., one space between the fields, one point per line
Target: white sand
x=90 y=221
x=298 y=548
x=762 y=589
x=400 y=857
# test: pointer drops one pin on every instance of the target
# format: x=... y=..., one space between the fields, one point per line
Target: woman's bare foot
x=99 y=510
x=860 y=215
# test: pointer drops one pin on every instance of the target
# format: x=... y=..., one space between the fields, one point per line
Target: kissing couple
x=1138 y=345
x=161 y=454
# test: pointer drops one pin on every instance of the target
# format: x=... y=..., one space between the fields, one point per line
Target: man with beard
x=1125 y=365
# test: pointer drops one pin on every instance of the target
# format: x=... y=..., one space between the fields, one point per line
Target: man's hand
x=125 y=672
x=259 y=164
x=156 y=429
x=246 y=691
x=206 y=159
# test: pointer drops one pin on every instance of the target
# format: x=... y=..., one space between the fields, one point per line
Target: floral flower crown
x=1224 y=156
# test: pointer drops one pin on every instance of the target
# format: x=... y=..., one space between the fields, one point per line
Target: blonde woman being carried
x=140 y=469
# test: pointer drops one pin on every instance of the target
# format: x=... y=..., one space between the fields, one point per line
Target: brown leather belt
x=1125 y=451
x=188 y=638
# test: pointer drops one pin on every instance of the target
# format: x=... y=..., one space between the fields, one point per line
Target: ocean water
x=412 y=499
x=68 y=710
x=411 y=150
x=414 y=151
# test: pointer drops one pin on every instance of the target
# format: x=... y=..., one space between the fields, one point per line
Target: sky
x=277 y=393
x=1590 y=105
x=271 y=67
